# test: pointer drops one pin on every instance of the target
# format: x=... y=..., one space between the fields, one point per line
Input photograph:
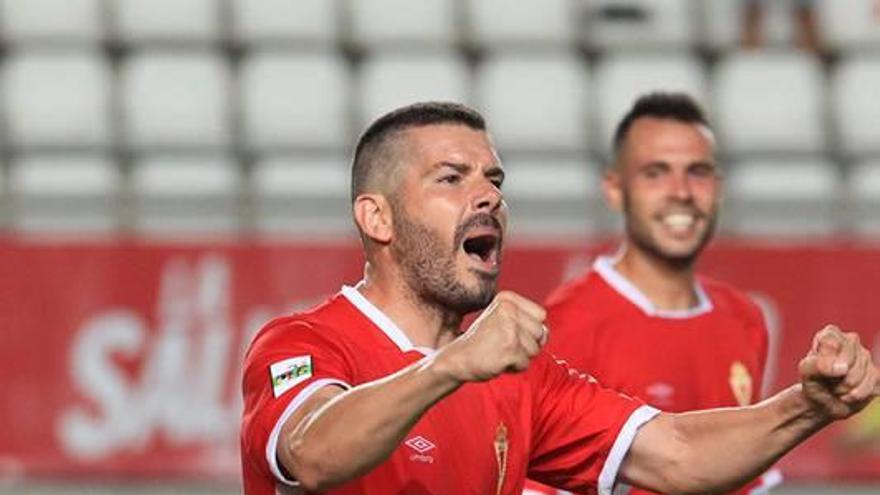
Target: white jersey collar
x=381 y=320
x=604 y=266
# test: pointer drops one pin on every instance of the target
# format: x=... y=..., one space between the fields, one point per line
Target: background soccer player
x=378 y=391
x=643 y=322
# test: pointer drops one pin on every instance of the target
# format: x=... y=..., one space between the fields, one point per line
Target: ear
x=612 y=188
x=373 y=216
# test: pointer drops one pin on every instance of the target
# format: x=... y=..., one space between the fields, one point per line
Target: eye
x=450 y=178
x=653 y=172
x=702 y=171
x=498 y=182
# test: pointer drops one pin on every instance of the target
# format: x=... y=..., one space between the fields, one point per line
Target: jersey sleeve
x=581 y=430
x=287 y=363
x=569 y=322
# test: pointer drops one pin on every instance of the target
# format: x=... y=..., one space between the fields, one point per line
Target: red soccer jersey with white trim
x=710 y=356
x=550 y=422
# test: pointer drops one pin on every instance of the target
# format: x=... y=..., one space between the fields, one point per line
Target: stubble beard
x=429 y=269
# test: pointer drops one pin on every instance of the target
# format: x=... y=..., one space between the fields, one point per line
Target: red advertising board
x=122 y=359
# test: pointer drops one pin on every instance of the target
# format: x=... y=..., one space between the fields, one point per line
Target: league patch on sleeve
x=288 y=373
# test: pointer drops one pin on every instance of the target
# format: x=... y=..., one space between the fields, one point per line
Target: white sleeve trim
x=608 y=476
x=770 y=480
x=298 y=400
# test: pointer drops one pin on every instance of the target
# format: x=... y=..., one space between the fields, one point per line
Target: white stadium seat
x=552 y=196
x=638 y=24
x=312 y=22
x=621 y=78
x=186 y=195
x=863 y=192
x=57 y=100
x=388 y=81
x=386 y=23
x=722 y=21
x=782 y=198
x=297 y=100
x=65 y=194
x=849 y=24
x=51 y=21
x=500 y=23
x=535 y=102
x=855 y=104
x=305 y=195
x=752 y=118
x=178 y=101
x=176 y=21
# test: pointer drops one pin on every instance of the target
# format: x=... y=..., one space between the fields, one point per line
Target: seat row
x=761 y=103
x=378 y=24
x=308 y=195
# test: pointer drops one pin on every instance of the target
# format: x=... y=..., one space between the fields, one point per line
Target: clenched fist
x=506 y=336
x=838 y=375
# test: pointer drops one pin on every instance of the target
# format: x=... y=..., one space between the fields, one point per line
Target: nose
x=488 y=197
x=681 y=187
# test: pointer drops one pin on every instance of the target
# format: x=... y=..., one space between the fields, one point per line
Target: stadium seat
x=850 y=25
x=855 y=105
x=403 y=23
x=621 y=78
x=186 y=195
x=721 y=23
x=57 y=100
x=535 y=102
x=301 y=22
x=167 y=21
x=782 y=198
x=863 y=192
x=305 y=195
x=177 y=101
x=65 y=194
x=388 y=81
x=282 y=109
x=51 y=22
x=524 y=23
x=552 y=196
x=638 y=24
x=751 y=118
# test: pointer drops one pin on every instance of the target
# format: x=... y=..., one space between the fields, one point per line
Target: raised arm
x=718 y=450
x=338 y=435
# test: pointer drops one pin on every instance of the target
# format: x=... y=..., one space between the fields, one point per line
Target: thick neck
x=669 y=287
x=425 y=325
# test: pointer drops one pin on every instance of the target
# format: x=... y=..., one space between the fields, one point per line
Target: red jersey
x=712 y=355
x=482 y=439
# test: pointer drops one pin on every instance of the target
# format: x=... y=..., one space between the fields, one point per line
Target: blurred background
x=173 y=173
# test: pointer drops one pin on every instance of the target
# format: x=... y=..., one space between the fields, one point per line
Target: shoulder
x=731 y=301
x=322 y=325
x=574 y=292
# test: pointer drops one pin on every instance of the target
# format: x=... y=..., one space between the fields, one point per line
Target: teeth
x=678 y=221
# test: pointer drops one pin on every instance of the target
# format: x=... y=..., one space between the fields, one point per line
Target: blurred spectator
x=805 y=23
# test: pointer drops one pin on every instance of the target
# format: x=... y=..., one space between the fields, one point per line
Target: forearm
x=718 y=450
x=358 y=429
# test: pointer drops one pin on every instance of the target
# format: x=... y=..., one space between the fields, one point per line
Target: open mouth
x=483 y=247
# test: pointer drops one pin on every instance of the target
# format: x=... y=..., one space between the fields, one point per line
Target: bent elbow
x=307 y=466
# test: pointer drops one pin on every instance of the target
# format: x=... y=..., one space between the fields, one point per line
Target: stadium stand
x=863 y=190
x=285 y=23
x=752 y=120
x=186 y=195
x=783 y=198
x=57 y=100
x=65 y=194
x=52 y=22
x=390 y=80
x=620 y=78
x=283 y=110
x=525 y=115
x=257 y=84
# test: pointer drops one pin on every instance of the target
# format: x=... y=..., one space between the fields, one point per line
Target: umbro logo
x=420 y=444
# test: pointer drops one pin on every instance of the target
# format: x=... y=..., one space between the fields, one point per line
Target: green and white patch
x=288 y=373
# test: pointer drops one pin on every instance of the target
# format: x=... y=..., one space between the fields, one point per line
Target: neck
x=668 y=286
x=425 y=324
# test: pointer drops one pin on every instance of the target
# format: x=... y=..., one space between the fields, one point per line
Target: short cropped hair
x=675 y=106
x=370 y=154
